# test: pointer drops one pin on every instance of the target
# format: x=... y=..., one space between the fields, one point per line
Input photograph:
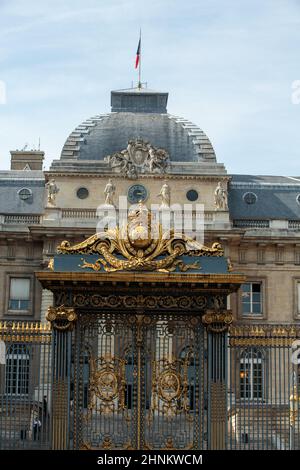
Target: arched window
x=252 y=374
x=17 y=370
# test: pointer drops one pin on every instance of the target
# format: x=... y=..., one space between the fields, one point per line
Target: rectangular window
x=17 y=370
x=252 y=298
x=251 y=376
x=19 y=293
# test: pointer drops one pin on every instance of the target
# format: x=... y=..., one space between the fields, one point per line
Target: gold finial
x=51 y=264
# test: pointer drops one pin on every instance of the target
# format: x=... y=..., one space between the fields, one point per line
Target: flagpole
x=140 y=61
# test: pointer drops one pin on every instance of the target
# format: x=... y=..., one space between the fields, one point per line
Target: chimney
x=26 y=160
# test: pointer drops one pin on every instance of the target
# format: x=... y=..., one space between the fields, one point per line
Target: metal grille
x=174 y=383
x=263 y=380
x=25 y=386
x=138 y=382
x=149 y=382
x=103 y=388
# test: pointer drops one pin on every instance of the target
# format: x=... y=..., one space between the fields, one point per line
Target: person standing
x=45 y=407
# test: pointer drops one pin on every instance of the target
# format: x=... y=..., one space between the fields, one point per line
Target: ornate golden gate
x=151 y=377
x=148 y=381
x=139 y=382
x=134 y=367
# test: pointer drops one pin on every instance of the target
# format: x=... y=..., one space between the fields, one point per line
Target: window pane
x=246 y=307
x=256 y=287
x=256 y=308
x=18 y=304
x=256 y=297
x=246 y=287
x=19 y=289
x=246 y=296
x=13 y=305
x=24 y=304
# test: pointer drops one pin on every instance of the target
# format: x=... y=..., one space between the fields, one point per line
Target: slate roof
x=104 y=135
x=11 y=182
x=276 y=197
x=137 y=114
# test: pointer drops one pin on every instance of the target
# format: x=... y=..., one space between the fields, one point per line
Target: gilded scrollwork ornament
x=107 y=384
x=170 y=387
x=140 y=246
x=145 y=302
x=217 y=321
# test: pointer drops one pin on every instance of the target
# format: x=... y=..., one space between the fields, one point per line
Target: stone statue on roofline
x=165 y=195
x=109 y=192
x=221 y=197
x=52 y=189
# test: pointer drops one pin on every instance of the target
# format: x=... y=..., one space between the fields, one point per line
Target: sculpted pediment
x=139 y=157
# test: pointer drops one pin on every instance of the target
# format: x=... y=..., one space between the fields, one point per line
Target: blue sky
x=228 y=66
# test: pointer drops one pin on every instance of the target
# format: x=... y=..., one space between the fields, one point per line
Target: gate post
x=62 y=321
x=217 y=323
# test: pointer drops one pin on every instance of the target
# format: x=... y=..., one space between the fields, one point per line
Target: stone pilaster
x=47 y=301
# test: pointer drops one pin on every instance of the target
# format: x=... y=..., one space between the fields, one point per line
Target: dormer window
x=250 y=198
x=25 y=194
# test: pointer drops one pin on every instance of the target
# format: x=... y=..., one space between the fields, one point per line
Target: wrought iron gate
x=119 y=381
x=138 y=382
x=264 y=387
x=25 y=385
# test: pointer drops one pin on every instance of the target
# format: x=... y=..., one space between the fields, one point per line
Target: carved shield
x=138 y=153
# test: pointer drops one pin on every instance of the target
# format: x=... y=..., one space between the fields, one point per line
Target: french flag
x=138 y=53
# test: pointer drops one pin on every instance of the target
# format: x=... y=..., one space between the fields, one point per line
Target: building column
x=62 y=320
x=217 y=323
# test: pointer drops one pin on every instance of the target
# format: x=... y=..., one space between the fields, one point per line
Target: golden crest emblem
x=140 y=245
x=107 y=384
x=169 y=385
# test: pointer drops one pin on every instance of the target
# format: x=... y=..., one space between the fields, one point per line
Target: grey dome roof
x=137 y=113
x=104 y=135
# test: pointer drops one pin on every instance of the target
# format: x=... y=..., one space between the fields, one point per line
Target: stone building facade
x=140 y=154
x=258 y=224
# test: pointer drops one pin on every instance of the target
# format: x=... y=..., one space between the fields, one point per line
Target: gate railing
x=25 y=385
x=262 y=374
x=263 y=385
